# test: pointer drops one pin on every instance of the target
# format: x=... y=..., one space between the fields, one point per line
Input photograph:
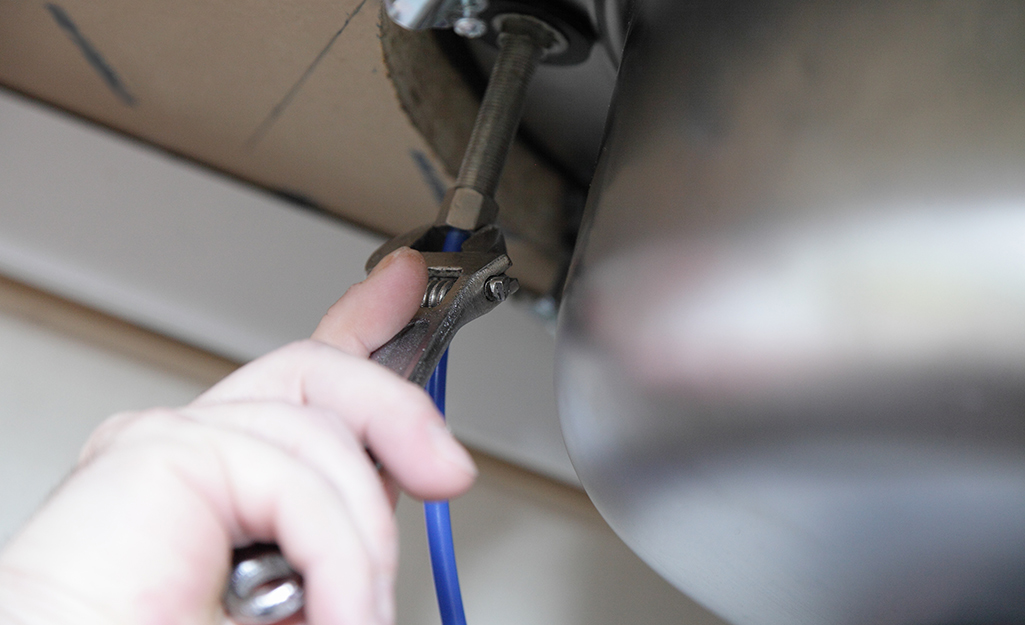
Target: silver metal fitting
x=263 y=589
x=550 y=39
x=462 y=15
x=499 y=288
x=420 y=14
x=470 y=27
x=467 y=209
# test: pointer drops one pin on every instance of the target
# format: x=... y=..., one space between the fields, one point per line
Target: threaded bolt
x=522 y=45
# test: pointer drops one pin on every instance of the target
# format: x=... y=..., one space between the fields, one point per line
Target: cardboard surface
x=293 y=96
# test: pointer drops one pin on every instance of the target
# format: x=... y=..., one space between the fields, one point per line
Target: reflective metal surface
x=423 y=14
x=263 y=588
x=792 y=360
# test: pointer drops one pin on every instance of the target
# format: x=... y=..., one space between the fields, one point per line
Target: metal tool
x=263 y=588
x=461 y=285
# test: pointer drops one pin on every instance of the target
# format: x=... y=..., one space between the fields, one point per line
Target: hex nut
x=470 y=27
x=467 y=209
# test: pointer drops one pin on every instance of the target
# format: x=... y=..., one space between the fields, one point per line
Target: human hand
x=142 y=531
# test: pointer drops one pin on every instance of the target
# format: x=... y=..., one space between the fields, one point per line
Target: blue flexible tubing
x=436 y=514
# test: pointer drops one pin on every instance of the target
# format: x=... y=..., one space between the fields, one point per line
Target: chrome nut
x=470 y=27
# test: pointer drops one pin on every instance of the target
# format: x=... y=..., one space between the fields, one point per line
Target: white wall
x=53 y=392
x=170 y=246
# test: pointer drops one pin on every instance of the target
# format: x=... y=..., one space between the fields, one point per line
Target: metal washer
x=574 y=31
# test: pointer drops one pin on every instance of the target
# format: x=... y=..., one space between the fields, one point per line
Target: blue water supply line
x=436 y=513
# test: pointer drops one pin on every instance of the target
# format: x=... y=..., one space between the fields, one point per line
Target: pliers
x=461 y=286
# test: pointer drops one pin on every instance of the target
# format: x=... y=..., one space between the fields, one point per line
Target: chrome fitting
x=469 y=25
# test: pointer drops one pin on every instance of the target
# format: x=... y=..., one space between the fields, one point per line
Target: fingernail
x=385 y=604
x=389 y=259
x=447 y=447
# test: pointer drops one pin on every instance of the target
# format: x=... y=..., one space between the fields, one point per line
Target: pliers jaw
x=461 y=286
x=431 y=239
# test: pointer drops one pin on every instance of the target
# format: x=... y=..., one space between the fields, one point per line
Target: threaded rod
x=521 y=46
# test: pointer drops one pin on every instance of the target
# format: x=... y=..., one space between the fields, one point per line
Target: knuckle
x=417 y=401
x=105 y=434
x=120 y=427
x=297 y=356
x=150 y=417
x=118 y=424
x=303 y=348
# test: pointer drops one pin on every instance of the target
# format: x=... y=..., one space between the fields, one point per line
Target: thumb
x=373 y=311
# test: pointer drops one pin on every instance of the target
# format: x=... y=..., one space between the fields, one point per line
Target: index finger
x=394 y=418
